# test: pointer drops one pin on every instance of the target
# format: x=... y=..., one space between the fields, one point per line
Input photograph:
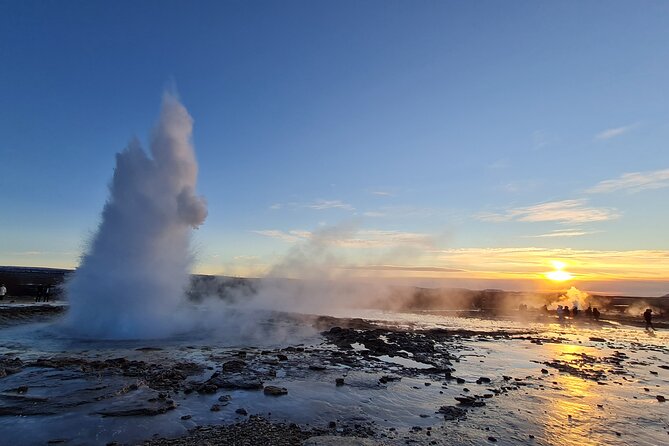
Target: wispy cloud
x=381 y=193
x=437 y=269
x=633 y=182
x=372 y=238
x=565 y=211
x=329 y=204
x=374 y=214
x=290 y=236
x=563 y=233
x=398 y=212
x=317 y=205
x=614 y=132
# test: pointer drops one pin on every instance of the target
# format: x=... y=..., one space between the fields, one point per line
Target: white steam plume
x=131 y=280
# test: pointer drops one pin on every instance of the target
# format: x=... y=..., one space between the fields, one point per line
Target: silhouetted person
x=648 y=317
x=566 y=311
x=544 y=309
x=588 y=312
x=41 y=290
x=560 y=313
x=595 y=314
x=574 y=311
x=47 y=293
x=3 y=291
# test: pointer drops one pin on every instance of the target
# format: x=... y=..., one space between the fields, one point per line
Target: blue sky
x=489 y=137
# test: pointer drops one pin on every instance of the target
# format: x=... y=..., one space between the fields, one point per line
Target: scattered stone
x=237 y=382
x=339 y=381
x=493 y=439
x=331 y=440
x=388 y=378
x=469 y=401
x=186 y=417
x=452 y=412
x=234 y=365
x=282 y=357
x=215 y=408
x=275 y=391
x=660 y=398
x=596 y=339
x=241 y=411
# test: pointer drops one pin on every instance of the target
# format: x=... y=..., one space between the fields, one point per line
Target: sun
x=558 y=275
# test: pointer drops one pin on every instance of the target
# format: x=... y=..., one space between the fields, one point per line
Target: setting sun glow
x=558 y=275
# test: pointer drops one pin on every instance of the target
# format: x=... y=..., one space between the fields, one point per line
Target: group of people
x=44 y=293
x=563 y=312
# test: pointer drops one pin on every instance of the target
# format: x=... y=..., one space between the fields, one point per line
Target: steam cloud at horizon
x=131 y=280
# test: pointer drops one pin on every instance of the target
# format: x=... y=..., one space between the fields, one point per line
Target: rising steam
x=131 y=280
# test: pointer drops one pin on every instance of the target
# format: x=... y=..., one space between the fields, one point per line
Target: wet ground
x=386 y=378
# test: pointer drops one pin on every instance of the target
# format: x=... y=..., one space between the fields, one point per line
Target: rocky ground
x=151 y=381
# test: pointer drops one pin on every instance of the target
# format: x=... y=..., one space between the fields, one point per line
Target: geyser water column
x=131 y=281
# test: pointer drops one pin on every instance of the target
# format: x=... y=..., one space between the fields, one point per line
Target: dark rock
x=460 y=380
x=207 y=388
x=388 y=378
x=234 y=365
x=224 y=399
x=237 y=382
x=275 y=391
x=282 y=357
x=452 y=412
x=339 y=381
x=187 y=417
x=660 y=398
x=317 y=367
x=241 y=411
x=493 y=439
x=215 y=408
x=134 y=405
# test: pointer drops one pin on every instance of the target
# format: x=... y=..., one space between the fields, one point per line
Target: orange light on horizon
x=558 y=275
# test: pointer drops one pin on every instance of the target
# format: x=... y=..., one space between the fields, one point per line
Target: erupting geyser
x=130 y=282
